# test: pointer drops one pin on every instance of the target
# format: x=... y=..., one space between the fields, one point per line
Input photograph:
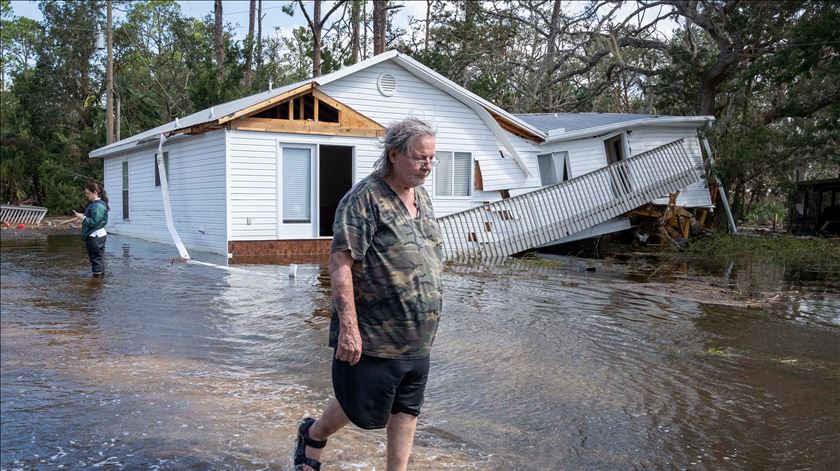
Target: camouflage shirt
x=396 y=271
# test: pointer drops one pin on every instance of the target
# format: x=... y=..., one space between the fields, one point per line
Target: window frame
x=470 y=176
x=126 y=206
x=285 y=159
x=565 y=170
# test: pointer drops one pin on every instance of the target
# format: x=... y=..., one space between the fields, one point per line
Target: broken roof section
x=565 y=126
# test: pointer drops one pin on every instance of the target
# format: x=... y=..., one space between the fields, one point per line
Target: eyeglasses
x=426 y=162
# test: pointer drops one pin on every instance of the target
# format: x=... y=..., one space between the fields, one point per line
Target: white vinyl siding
x=453 y=174
x=197 y=192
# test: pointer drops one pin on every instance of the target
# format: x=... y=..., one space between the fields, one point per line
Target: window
x=453 y=175
x=297 y=189
x=125 y=190
x=165 y=166
x=554 y=168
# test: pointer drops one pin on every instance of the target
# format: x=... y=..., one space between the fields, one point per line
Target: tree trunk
x=428 y=23
x=355 y=14
x=259 y=38
x=364 y=30
x=316 y=38
x=217 y=39
x=380 y=18
x=713 y=77
x=249 y=45
x=551 y=51
x=470 y=10
x=738 y=199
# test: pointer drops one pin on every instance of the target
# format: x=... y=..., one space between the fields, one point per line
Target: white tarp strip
x=167 y=208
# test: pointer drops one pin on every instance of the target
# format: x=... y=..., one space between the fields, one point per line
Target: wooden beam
x=315 y=105
x=647 y=212
x=256 y=108
x=303 y=127
x=200 y=129
x=514 y=128
x=702 y=221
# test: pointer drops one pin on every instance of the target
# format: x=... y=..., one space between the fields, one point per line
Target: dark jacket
x=96 y=217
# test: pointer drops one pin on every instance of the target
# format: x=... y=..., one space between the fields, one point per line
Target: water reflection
x=167 y=365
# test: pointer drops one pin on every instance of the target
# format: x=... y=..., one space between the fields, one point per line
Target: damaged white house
x=262 y=175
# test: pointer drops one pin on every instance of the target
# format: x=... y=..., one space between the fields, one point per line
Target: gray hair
x=399 y=137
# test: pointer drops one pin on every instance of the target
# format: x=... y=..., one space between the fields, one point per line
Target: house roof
x=229 y=109
x=564 y=126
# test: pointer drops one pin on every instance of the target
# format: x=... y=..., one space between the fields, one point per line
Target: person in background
x=386 y=269
x=94 y=220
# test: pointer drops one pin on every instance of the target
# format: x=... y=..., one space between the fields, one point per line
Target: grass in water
x=717 y=351
x=821 y=254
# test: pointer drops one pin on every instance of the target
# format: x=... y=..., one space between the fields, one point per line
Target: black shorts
x=374 y=388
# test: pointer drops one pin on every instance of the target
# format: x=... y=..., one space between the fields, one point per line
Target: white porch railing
x=22 y=214
x=502 y=228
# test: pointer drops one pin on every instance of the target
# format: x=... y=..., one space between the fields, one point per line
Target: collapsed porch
x=519 y=223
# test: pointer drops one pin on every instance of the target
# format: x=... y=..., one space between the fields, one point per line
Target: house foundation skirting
x=316 y=251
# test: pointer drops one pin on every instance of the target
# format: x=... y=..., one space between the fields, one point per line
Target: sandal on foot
x=304 y=440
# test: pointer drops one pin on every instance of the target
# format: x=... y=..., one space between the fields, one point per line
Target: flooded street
x=537 y=365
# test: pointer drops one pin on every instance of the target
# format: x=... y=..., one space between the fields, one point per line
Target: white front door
x=297 y=168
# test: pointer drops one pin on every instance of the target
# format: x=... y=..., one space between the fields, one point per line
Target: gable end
x=308 y=112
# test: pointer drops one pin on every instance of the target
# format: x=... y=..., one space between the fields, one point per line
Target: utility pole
x=117 y=132
x=109 y=99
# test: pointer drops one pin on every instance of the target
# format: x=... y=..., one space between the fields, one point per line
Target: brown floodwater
x=167 y=365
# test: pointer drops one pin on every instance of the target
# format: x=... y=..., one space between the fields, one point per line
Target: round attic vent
x=387 y=84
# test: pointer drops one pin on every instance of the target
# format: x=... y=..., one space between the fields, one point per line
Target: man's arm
x=341 y=277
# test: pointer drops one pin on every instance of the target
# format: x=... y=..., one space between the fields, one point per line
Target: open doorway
x=335 y=179
x=614 y=148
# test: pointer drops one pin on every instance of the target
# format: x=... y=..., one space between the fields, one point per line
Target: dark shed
x=815 y=208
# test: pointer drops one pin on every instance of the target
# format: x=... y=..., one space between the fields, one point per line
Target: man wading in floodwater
x=385 y=266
